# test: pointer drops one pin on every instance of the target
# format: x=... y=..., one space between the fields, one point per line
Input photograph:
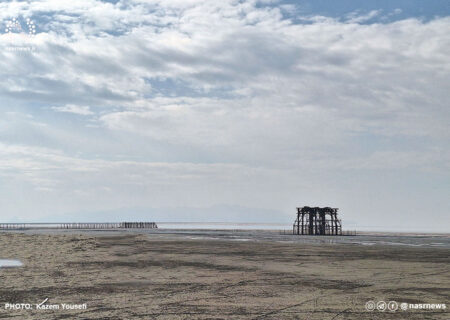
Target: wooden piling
x=79 y=225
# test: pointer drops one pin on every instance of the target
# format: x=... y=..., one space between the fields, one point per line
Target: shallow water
x=8 y=263
x=430 y=240
x=264 y=232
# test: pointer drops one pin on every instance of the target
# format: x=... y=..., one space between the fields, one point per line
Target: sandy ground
x=131 y=276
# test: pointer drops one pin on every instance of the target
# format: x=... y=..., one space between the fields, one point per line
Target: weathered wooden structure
x=80 y=225
x=317 y=221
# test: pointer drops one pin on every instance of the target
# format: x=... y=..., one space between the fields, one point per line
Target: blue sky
x=403 y=8
x=248 y=109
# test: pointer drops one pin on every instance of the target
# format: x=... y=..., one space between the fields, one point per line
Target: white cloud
x=356 y=17
x=71 y=108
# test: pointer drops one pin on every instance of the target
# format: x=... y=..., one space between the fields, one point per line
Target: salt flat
x=125 y=275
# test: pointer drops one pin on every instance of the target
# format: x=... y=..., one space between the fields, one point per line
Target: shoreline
x=251 y=235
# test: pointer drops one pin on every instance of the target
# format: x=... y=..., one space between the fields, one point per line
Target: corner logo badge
x=19 y=34
x=17 y=28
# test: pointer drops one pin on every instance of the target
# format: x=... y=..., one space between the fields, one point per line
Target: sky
x=235 y=111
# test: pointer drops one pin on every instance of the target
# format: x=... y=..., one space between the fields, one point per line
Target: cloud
x=71 y=108
x=356 y=17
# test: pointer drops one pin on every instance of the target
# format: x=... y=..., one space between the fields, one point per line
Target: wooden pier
x=79 y=225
